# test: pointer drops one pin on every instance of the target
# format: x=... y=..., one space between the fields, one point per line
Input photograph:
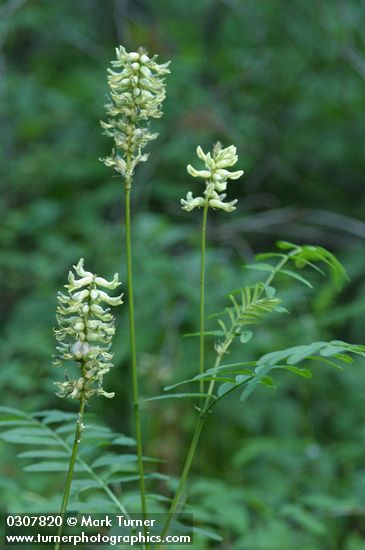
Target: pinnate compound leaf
x=268 y=381
x=293 y=354
x=296 y=276
x=303 y=352
x=114 y=460
x=117 y=477
x=308 y=254
x=260 y=267
x=344 y=357
x=331 y=350
x=216 y=333
x=119 y=460
x=40 y=453
x=28 y=436
x=207 y=533
x=55 y=416
x=225 y=388
x=269 y=256
x=13 y=413
x=304 y=519
x=233 y=366
x=174 y=396
x=285 y=245
x=325 y=361
x=50 y=466
x=207 y=377
x=270 y=291
x=260 y=373
x=246 y=336
x=124 y=440
x=319 y=351
x=7 y=421
x=306 y=373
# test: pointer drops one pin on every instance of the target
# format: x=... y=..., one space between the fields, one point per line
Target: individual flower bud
x=190 y=203
x=79 y=350
x=77 y=283
x=80 y=296
x=198 y=173
x=94 y=295
x=100 y=281
x=201 y=154
x=220 y=205
x=133 y=56
x=111 y=300
x=108 y=395
x=79 y=268
x=226 y=174
x=146 y=72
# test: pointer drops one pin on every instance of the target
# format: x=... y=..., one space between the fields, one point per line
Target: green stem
x=132 y=335
x=194 y=443
x=226 y=344
x=76 y=443
x=280 y=264
x=202 y=295
x=189 y=460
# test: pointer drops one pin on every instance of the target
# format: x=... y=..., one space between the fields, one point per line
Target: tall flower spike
x=216 y=177
x=137 y=91
x=85 y=331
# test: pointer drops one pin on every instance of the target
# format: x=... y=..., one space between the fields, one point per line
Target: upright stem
x=132 y=335
x=189 y=460
x=202 y=295
x=77 y=439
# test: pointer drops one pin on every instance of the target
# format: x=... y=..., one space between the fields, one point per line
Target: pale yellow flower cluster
x=137 y=92
x=85 y=331
x=216 y=177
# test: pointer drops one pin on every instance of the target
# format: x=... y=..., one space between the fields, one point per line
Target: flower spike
x=85 y=331
x=137 y=91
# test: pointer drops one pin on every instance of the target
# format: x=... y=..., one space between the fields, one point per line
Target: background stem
x=189 y=460
x=132 y=335
x=201 y=420
x=202 y=296
x=77 y=439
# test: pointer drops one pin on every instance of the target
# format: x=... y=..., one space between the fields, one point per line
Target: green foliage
x=251 y=307
x=294 y=114
x=307 y=255
x=53 y=431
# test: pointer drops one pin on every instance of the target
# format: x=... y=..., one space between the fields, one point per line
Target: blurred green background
x=284 y=82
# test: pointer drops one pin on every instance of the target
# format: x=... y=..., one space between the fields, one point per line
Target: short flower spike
x=85 y=331
x=216 y=177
